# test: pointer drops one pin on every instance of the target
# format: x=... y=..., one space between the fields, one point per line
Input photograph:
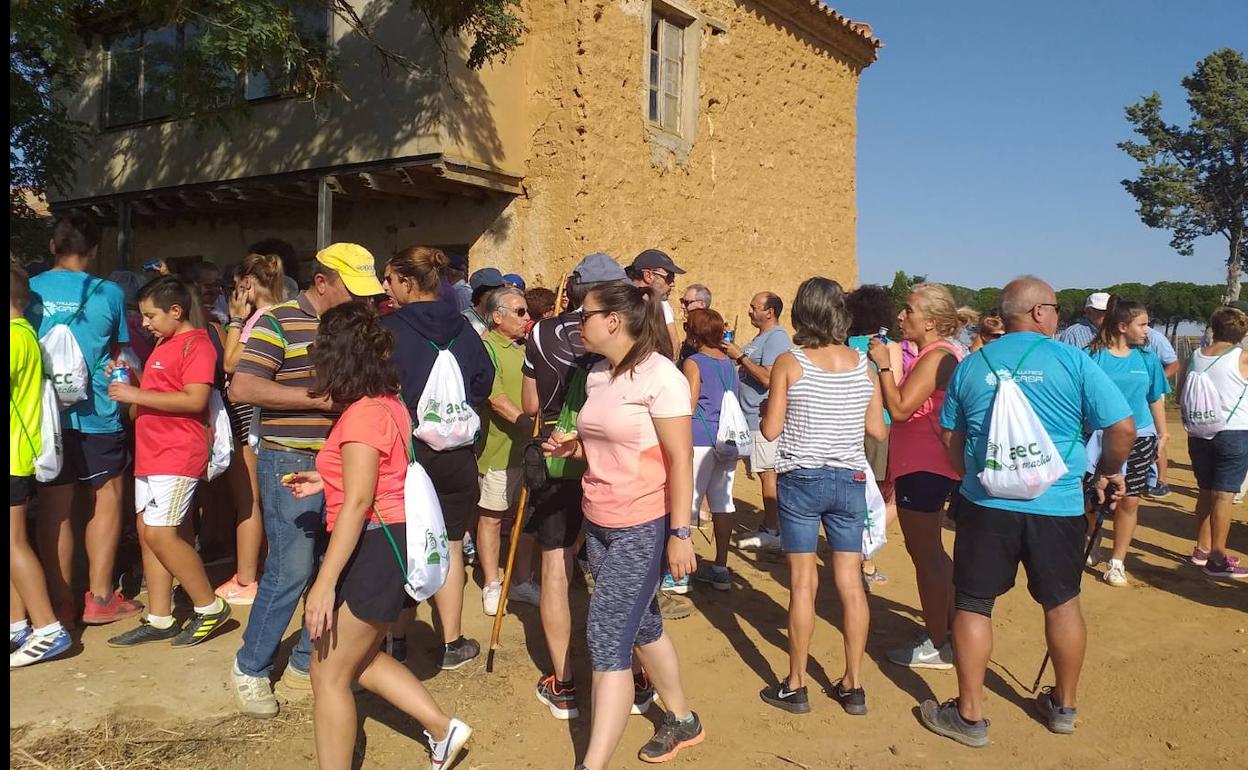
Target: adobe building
x=722 y=131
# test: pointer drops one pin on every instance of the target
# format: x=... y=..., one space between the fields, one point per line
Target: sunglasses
x=584 y=315
x=668 y=278
x=1053 y=305
x=687 y=302
x=521 y=312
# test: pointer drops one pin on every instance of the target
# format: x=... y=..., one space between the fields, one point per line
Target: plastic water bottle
x=883 y=334
x=120 y=373
x=729 y=336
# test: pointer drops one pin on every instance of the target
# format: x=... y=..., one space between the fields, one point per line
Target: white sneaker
x=922 y=653
x=763 y=539
x=1096 y=556
x=442 y=753
x=253 y=694
x=527 y=592
x=1116 y=575
x=489 y=597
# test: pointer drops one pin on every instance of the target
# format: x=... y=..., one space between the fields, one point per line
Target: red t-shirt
x=385 y=425
x=168 y=444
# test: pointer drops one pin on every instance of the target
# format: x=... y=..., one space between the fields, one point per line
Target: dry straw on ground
x=139 y=745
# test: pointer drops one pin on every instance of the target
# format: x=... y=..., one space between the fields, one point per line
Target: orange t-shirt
x=626 y=483
x=385 y=425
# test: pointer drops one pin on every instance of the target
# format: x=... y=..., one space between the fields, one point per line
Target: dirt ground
x=1164 y=684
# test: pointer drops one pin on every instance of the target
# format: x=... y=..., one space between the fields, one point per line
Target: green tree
x=1071 y=303
x=1194 y=180
x=47 y=57
x=987 y=300
x=902 y=284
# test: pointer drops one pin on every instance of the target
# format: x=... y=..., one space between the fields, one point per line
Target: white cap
x=1098 y=300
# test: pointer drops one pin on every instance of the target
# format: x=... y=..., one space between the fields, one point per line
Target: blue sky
x=987 y=132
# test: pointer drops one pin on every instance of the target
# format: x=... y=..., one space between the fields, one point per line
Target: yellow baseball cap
x=356 y=266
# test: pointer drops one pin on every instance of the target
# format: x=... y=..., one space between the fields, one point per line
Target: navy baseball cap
x=486 y=276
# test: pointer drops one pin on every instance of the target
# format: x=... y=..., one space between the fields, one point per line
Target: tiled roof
x=859 y=28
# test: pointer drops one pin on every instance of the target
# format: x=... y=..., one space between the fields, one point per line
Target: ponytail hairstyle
x=168 y=290
x=936 y=302
x=267 y=271
x=1119 y=311
x=422 y=265
x=641 y=312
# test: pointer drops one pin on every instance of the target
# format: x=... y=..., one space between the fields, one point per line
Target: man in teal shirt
x=1046 y=534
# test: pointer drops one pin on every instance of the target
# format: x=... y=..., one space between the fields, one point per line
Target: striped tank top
x=824 y=422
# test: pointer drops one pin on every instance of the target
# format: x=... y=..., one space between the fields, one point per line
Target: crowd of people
x=314 y=398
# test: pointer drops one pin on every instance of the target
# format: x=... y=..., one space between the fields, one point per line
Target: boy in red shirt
x=172 y=444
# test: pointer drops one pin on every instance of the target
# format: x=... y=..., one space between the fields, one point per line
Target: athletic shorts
x=92 y=458
x=164 y=501
x=454 y=477
x=500 y=488
x=21 y=489
x=553 y=514
x=1139 y=467
x=624 y=608
x=1220 y=463
x=877 y=457
x=712 y=481
x=371 y=583
x=991 y=542
x=923 y=492
x=833 y=497
x=762 y=452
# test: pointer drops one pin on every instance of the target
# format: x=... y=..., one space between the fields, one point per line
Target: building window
x=667 y=71
x=141 y=66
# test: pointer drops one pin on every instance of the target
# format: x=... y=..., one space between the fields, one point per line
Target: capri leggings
x=624 y=610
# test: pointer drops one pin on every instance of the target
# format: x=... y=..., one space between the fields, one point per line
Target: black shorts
x=21 y=489
x=923 y=492
x=991 y=542
x=553 y=515
x=92 y=458
x=371 y=583
x=454 y=477
x=1139 y=462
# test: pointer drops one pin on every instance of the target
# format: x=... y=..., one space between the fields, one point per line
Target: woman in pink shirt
x=636 y=436
x=918 y=466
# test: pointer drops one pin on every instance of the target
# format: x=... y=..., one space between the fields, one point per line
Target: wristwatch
x=740 y=358
x=885 y=368
x=681 y=532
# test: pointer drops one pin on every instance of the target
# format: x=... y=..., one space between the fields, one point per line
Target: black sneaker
x=559 y=697
x=853 y=701
x=672 y=736
x=145 y=633
x=643 y=693
x=944 y=719
x=780 y=696
x=459 y=652
x=395 y=646
x=202 y=626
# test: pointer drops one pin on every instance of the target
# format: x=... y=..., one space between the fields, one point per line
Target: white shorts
x=164 y=501
x=712 y=479
x=762 y=453
x=499 y=489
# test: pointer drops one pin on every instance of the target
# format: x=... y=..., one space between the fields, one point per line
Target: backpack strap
x=82 y=307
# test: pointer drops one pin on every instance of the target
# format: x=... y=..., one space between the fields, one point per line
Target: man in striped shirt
x=275 y=374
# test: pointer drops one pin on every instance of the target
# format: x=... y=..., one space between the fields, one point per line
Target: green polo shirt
x=25 y=408
x=502 y=443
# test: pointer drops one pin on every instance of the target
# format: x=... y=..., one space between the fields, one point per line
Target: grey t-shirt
x=762 y=350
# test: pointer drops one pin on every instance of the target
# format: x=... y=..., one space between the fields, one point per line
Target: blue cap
x=597 y=268
x=456 y=261
x=514 y=280
x=486 y=276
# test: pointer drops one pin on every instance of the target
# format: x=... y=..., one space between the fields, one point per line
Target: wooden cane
x=517 y=527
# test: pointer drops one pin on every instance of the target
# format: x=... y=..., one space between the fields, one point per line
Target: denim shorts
x=1219 y=463
x=835 y=497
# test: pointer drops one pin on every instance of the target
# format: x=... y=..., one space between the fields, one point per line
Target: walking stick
x=517 y=526
x=1101 y=513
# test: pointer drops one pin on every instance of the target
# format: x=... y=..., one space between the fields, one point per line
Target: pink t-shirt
x=915 y=446
x=626 y=483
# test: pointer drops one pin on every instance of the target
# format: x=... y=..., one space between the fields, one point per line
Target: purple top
x=717 y=376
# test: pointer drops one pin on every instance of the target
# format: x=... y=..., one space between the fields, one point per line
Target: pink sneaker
x=1229 y=567
x=1199 y=558
x=117 y=607
x=234 y=592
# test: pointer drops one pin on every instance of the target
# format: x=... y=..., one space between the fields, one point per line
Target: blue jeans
x=833 y=497
x=295 y=529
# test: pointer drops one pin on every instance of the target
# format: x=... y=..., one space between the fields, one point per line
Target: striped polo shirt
x=278 y=350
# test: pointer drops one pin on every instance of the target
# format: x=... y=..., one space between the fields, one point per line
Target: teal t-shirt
x=1066 y=390
x=1142 y=381
x=55 y=297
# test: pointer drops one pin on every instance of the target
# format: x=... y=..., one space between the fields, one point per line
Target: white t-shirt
x=668 y=315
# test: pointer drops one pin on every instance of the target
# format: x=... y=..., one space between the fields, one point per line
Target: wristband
x=885 y=369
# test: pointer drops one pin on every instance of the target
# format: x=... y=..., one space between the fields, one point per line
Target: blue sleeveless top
x=715 y=375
